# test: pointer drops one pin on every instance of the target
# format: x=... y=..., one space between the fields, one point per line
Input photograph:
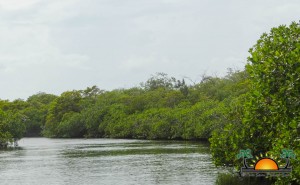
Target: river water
x=39 y=161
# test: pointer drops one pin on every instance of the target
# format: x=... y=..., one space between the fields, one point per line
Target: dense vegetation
x=161 y=108
x=267 y=119
x=19 y=118
x=258 y=108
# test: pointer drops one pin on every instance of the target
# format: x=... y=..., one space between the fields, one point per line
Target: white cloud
x=14 y=5
x=60 y=45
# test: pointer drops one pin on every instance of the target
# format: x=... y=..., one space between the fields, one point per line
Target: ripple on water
x=107 y=161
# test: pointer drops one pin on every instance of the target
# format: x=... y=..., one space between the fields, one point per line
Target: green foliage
x=71 y=125
x=12 y=127
x=287 y=154
x=16 y=125
x=36 y=112
x=5 y=136
x=66 y=103
x=273 y=111
x=269 y=118
x=160 y=80
x=245 y=154
x=161 y=108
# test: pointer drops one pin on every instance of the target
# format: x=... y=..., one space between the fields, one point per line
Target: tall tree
x=68 y=102
x=271 y=116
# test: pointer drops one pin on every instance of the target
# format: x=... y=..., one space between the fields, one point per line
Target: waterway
x=39 y=161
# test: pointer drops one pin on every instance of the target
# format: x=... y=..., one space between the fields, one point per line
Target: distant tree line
x=161 y=108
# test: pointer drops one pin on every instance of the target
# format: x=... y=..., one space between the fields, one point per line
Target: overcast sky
x=58 y=45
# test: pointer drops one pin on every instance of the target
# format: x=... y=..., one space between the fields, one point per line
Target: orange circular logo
x=266 y=164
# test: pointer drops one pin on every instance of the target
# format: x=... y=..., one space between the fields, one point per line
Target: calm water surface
x=40 y=161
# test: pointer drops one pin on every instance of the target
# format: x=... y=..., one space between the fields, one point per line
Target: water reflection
x=107 y=161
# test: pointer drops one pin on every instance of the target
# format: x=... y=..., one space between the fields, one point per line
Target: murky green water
x=41 y=161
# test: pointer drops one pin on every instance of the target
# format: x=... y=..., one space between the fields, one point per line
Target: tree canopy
x=269 y=118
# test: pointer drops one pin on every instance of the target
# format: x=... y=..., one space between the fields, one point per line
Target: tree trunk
x=287 y=162
x=245 y=163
